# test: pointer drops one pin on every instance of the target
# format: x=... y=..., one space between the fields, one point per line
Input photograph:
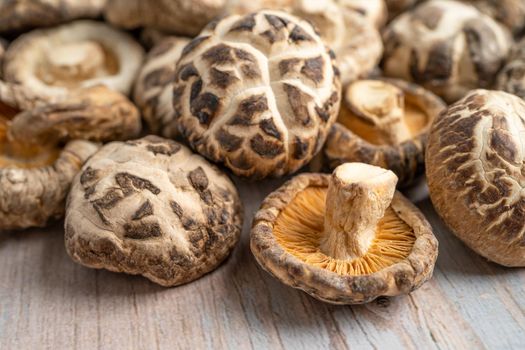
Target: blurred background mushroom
x=384 y=123
x=17 y=16
x=511 y=78
x=154 y=86
x=446 y=46
x=52 y=62
x=345 y=238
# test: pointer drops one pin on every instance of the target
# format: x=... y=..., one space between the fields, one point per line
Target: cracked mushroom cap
x=80 y=54
x=345 y=238
x=384 y=123
x=257 y=93
x=183 y=17
x=509 y=12
x=35 y=179
x=475 y=173
x=511 y=78
x=154 y=86
x=97 y=114
x=154 y=208
x=446 y=46
x=19 y=15
x=354 y=39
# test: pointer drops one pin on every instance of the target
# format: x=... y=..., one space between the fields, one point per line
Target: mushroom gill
x=382 y=113
x=317 y=229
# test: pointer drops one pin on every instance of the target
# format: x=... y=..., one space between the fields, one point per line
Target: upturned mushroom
x=344 y=238
x=154 y=86
x=257 y=93
x=475 y=173
x=511 y=78
x=35 y=179
x=183 y=17
x=152 y=207
x=384 y=123
x=446 y=46
x=52 y=62
x=16 y=16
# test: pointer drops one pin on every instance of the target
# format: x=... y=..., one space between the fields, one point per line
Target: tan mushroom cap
x=257 y=93
x=384 y=123
x=445 y=46
x=172 y=16
x=97 y=114
x=154 y=208
x=23 y=15
x=344 y=238
x=80 y=54
x=511 y=77
x=154 y=86
x=475 y=172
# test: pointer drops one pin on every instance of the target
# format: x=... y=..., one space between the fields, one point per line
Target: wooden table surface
x=47 y=301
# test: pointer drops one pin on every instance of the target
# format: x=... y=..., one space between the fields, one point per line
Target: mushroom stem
x=80 y=60
x=382 y=105
x=358 y=195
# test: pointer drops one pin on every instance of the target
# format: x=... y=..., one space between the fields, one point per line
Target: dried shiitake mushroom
x=257 y=93
x=354 y=39
x=446 y=46
x=35 y=179
x=52 y=62
x=154 y=86
x=185 y=17
x=509 y=12
x=21 y=15
x=384 y=123
x=97 y=114
x=346 y=238
x=152 y=207
x=511 y=78
x=475 y=172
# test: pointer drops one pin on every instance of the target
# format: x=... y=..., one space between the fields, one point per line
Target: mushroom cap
x=172 y=16
x=354 y=138
x=509 y=12
x=154 y=86
x=152 y=207
x=511 y=78
x=323 y=283
x=34 y=191
x=257 y=93
x=354 y=38
x=23 y=15
x=51 y=62
x=446 y=46
x=97 y=114
x=475 y=173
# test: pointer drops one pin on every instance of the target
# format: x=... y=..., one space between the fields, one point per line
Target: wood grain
x=49 y=302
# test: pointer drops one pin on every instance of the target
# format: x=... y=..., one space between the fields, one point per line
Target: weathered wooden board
x=47 y=301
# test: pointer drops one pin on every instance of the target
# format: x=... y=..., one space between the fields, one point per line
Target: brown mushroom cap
x=346 y=238
x=154 y=86
x=184 y=17
x=23 y=15
x=511 y=78
x=509 y=12
x=384 y=123
x=257 y=93
x=475 y=173
x=154 y=208
x=97 y=113
x=446 y=46
x=354 y=39
x=80 y=54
